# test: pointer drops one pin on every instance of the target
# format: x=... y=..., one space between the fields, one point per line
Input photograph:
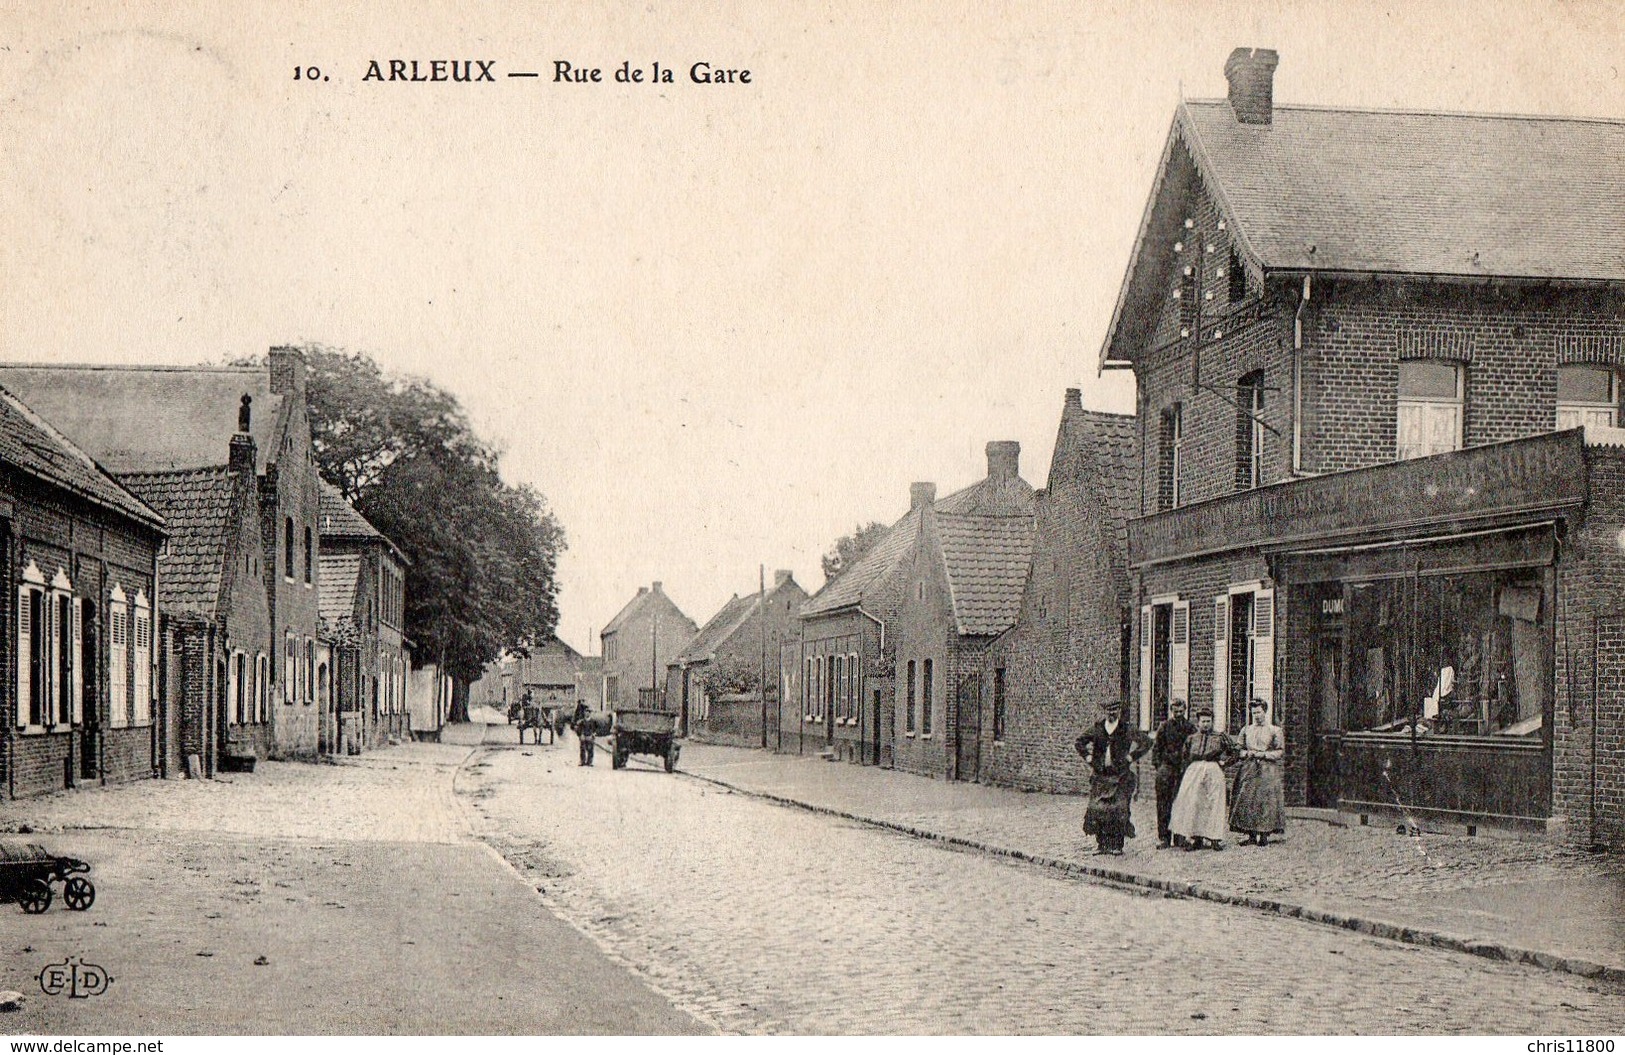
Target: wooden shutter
x=1146 y=624
x=1179 y=653
x=25 y=656
x=76 y=688
x=1263 y=644
x=1221 y=661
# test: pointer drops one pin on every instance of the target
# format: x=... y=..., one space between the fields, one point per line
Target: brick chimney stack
x=288 y=372
x=1003 y=459
x=657 y=586
x=781 y=577
x=1251 y=73
x=242 y=444
x=921 y=495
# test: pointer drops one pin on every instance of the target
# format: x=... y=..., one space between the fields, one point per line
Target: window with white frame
x=118 y=657
x=310 y=671
x=241 y=688
x=1250 y=431
x=837 y=689
x=141 y=668
x=33 y=651
x=852 y=688
x=290 y=668
x=1587 y=395
x=1431 y=395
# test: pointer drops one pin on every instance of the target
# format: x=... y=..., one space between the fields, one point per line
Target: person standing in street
x=1259 y=809
x=1199 y=810
x=1111 y=747
x=1168 y=758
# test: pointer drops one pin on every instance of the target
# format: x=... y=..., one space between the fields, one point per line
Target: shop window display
x=1449 y=655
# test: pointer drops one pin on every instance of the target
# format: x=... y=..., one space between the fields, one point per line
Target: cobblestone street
x=766 y=919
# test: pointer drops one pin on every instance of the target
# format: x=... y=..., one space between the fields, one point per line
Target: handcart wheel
x=79 y=893
x=36 y=896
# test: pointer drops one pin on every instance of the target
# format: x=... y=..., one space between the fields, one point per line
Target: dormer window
x=1587 y=395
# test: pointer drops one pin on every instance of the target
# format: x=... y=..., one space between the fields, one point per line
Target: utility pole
x=761 y=614
x=654 y=651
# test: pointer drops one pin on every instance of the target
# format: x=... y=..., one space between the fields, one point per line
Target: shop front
x=1417 y=625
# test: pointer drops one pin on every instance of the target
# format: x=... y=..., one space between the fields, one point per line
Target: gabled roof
x=339 y=520
x=150 y=418
x=196 y=507
x=721 y=627
x=849 y=587
x=34 y=445
x=1435 y=195
x=1106 y=447
x=339 y=577
x=987 y=558
x=642 y=600
x=551 y=663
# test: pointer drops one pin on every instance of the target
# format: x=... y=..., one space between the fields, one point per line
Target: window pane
x=1428 y=379
x=1585 y=384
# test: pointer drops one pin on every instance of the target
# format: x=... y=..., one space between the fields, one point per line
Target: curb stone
x=1408 y=935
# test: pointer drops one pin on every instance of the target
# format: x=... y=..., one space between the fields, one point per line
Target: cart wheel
x=671 y=759
x=79 y=893
x=36 y=896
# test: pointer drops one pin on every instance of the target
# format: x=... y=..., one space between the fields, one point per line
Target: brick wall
x=44 y=762
x=924 y=630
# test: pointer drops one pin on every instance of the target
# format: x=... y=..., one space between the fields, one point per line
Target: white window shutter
x=1179 y=653
x=1221 y=661
x=76 y=689
x=1146 y=623
x=25 y=652
x=1263 y=640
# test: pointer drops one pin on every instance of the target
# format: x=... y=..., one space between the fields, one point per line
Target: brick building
x=153 y=419
x=81 y=554
x=211 y=595
x=963 y=580
x=738 y=644
x=639 y=643
x=555 y=675
x=1356 y=335
x=1069 y=647
x=362 y=603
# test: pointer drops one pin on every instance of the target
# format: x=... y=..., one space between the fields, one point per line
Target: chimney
x=1251 y=73
x=242 y=444
x=921 y=495
x=1074 y=398
x=288 y=372
x=642 y=590
x=781 y=577
x=1003 y=459
x=657 y=586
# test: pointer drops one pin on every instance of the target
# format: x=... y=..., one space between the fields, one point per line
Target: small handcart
x=27 y=871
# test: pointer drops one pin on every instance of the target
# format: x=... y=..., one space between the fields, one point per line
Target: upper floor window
x=1173 y=437
x=1238 y=279
x=1430 y=407
x=1250 y=431
x=287 y=550
x=310 y=551
x=1587 y=395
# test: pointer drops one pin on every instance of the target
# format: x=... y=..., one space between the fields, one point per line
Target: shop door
x=1325 y=713
x=968 y=729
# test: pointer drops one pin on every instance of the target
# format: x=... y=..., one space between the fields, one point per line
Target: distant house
x=81 y=560
x=736 y=647
x=554 y=674
x=1069 y=647
x=965 y=574
x=145 y=420
x=211 y=594
x=639 y=643
x=363 y=619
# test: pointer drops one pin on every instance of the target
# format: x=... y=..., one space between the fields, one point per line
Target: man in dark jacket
x=1168 y=756
x=1111 y=747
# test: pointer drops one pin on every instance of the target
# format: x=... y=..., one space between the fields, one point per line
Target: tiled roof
x=150 y=419
x=339 y=518
x=721 y=627
x=643 y=599
x=196 y=507
x=35 y=446
x=1106 y=447
x=339 y=578
x=848 y=588
x=550 y=663
x=987 y=558
x=1420 y=193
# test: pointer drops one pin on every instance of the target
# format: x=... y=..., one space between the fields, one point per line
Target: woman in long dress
x=1199 y=808
x=1259 y=809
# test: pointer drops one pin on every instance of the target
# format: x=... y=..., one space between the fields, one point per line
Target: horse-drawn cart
x=28 y=870
x=644 y=732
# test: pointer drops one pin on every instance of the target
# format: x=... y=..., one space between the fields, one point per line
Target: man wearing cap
x=1111 y=747
x=1168 y=758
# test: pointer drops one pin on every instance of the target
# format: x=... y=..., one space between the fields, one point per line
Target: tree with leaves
x=484 y=553
x=849 y=549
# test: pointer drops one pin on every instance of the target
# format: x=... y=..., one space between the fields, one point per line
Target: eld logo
x=72 y=976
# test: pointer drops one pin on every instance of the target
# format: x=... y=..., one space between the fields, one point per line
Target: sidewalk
x=1516 y=900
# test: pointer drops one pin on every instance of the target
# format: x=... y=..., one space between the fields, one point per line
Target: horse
x=534 y=718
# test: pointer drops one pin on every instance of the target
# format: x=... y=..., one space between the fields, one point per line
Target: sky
x=716 y=325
